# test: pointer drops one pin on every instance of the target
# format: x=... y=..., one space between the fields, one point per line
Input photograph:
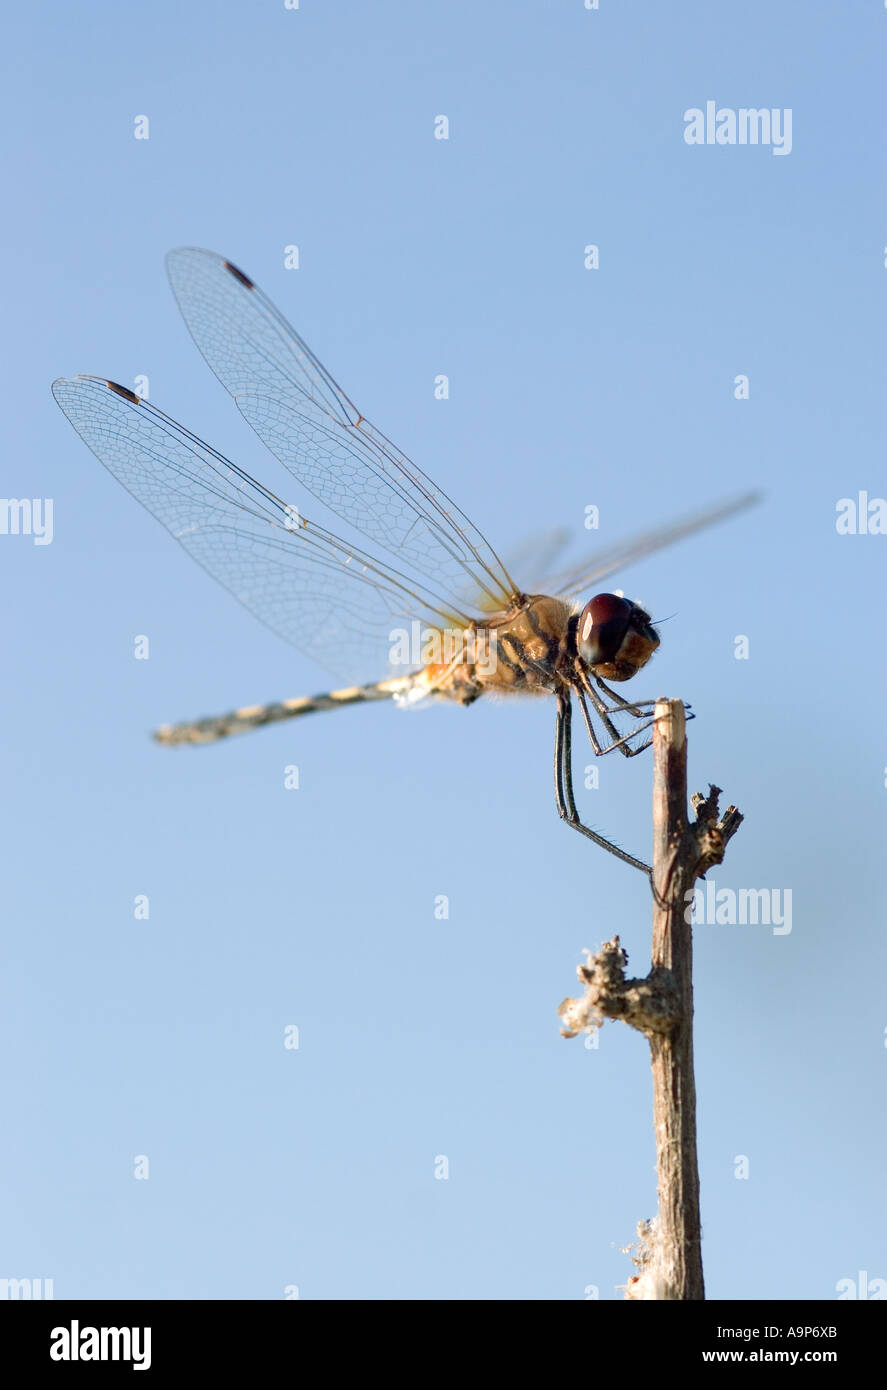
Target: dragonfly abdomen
x=241 y=721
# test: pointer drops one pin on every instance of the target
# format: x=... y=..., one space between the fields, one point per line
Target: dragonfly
x=480 y=632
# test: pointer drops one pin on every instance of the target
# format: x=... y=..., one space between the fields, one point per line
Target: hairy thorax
x=516 y=652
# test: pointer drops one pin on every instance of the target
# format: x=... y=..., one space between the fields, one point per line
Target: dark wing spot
x=239 y=275
x=125 y=392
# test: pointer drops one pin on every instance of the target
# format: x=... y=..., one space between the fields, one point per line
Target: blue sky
x=164 y=1037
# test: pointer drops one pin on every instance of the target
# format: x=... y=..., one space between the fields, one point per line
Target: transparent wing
x=536 y=556
x=327 y=598
x=577 y=580
x=304 y=417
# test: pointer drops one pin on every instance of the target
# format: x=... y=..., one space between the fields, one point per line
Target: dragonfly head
x=615 y=637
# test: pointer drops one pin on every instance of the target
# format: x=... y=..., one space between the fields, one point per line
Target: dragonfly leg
x=635 y=707
x=563 y=786
x=620 y=743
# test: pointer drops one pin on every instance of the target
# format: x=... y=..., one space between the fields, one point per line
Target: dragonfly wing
x=324 y=596
x=339 y=469
x=536 y=556
x=319 y=435
x=578 y=580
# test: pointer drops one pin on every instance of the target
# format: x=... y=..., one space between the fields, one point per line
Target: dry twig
x=661 y=1007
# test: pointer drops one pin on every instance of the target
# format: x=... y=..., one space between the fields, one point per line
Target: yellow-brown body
x=521 y=651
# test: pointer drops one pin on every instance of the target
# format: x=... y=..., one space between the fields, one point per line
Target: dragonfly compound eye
x=615 y=637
